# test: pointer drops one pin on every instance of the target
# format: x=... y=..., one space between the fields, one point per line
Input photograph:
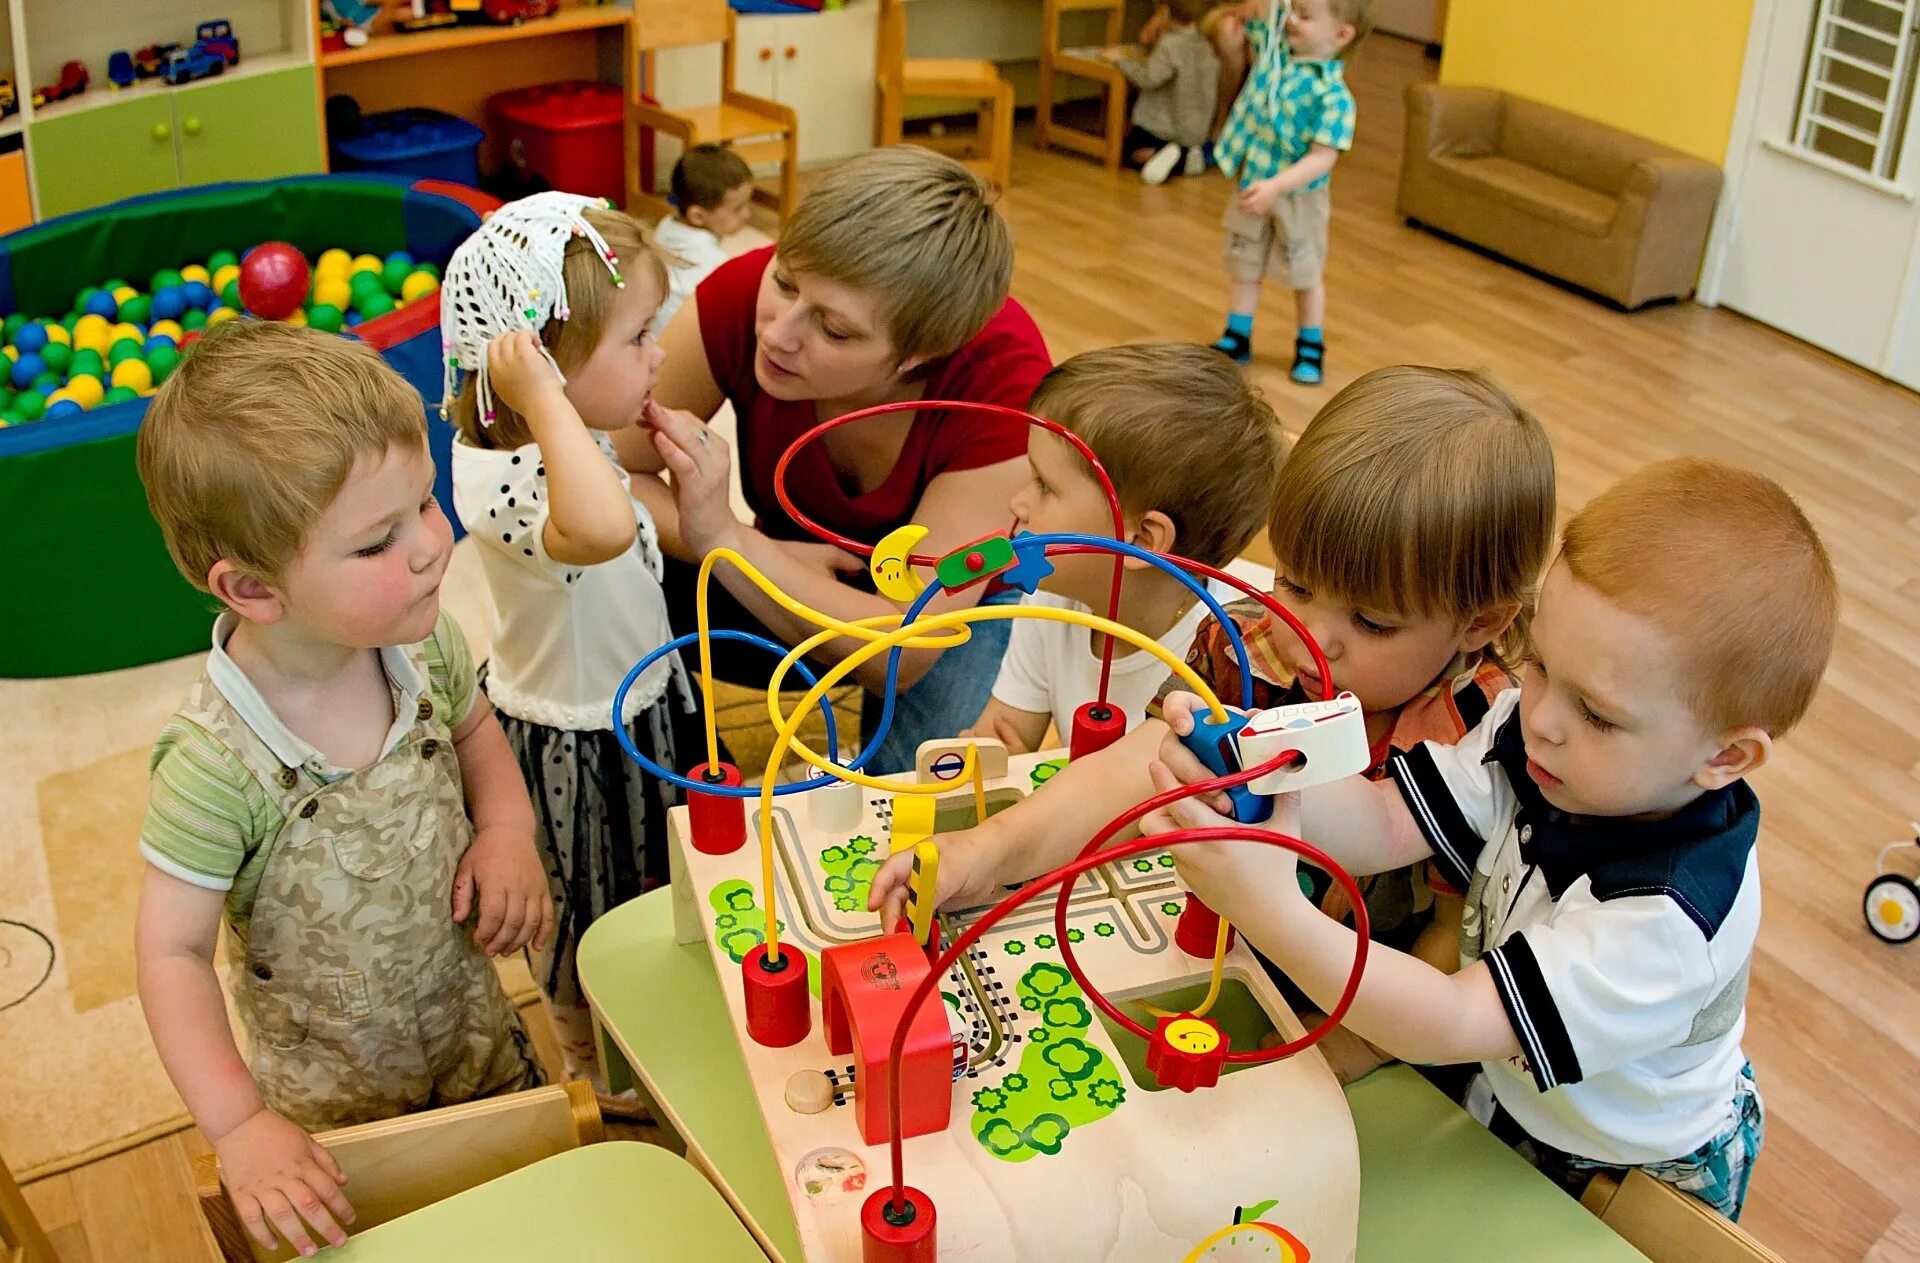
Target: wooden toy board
x=1056 y=1150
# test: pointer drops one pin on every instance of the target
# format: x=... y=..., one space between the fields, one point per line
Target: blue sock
x=1242 y=325
x=1237 y=342
x=1312 y=335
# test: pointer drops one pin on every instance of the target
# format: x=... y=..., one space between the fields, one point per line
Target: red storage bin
x=569 y=135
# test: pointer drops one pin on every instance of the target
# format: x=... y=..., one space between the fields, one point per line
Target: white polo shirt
x=1620 y=949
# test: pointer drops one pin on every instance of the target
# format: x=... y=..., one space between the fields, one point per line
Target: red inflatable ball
x=273 y=280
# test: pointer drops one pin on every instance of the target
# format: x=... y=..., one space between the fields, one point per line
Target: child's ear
x=1743 y=752
x=246 y=594
x=1487 y=626
x=695 y=215
x=1154 y=532
x=1345 y=33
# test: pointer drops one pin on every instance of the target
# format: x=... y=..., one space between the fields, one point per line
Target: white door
x=825 y=71
x=1823 y=231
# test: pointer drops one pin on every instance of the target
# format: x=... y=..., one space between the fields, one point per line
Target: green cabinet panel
x=256 y=127
x=92 y=156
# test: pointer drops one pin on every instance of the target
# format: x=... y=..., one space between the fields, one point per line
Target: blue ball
x=401 y=257
x=170 y=303
x=32 y=337
x=157 y=341
x=353 y=318
x=25 y=369
x=64 y=408
x=102 y=304
x=198 y=294
x=49 y=381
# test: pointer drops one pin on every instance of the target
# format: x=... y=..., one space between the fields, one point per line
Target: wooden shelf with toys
x=564 y=21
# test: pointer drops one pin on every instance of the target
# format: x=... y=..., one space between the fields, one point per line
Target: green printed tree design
x=990 y=1100
x=1046 y=1133
x=1001 y=1138
x=1072 y=1058
x=834 y=855
x=1104 y=929
x=1047 y=979
x=1061 y=1089
x=1067 y=1011
x=861 y=845
x=1043 y=941
x=1106 y=1093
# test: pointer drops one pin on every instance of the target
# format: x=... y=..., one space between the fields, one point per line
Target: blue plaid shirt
x=1289 y=105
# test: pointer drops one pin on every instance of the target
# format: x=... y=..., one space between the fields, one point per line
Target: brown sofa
x=1623 y=217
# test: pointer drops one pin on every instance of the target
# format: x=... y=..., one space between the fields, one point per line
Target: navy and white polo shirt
x=1619 y=949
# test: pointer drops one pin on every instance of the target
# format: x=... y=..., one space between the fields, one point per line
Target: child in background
x=712 y=192
x=1179 y=83
x=570 y=557
x=1601 y=820
x=1293 y=119
x=1192 y=451
x=335 y=788
x=1409 y=526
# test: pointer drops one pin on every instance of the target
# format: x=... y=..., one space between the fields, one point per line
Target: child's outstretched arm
x=277 y=1176
x=590 y=516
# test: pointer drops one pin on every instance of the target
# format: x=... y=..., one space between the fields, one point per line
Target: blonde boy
x=1193 y=452
x=1601 y=823
x=334 y=788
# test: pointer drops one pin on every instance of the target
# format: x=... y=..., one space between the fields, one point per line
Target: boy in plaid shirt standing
x=1293 y=119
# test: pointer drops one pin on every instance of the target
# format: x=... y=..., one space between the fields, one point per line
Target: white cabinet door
x=822 y=66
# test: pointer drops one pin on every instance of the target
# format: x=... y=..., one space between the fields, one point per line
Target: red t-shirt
x=1001 y=365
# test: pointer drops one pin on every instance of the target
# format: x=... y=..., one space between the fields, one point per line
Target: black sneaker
x=1309 y=362
x=1237 y=347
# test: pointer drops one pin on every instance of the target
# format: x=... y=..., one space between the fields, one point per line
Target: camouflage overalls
x=361 y=996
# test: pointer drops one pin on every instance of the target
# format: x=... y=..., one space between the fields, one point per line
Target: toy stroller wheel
x=1892 y=908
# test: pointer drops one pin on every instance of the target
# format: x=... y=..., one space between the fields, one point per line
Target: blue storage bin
x=420 y=144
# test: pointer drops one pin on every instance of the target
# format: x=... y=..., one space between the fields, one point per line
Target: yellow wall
x=1665 y=69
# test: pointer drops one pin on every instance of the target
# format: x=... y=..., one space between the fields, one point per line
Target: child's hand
x=502 y=871
x=965 y=879
x=277 y=1176
x=1258 y=198
x=519 y=374
x=1178 y=710
x=1227 y=876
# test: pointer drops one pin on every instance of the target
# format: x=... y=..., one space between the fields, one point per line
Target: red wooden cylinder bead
x=884 y=1241
x=1096 y=725
x=779 y=1009
x=1194 y=933
x=719 y=822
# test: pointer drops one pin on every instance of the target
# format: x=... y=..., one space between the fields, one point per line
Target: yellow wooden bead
x=133 y=374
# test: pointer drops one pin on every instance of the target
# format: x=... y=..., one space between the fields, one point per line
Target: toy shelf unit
x=233 y=98
x=1059 y=1143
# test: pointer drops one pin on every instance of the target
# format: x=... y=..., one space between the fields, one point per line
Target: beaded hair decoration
x=509 y=276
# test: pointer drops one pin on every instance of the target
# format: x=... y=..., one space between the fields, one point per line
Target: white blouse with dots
x=565 y=635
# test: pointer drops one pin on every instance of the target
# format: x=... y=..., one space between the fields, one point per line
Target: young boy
x=1292 y=120
x=712 y=191
x=335 y=788
x=1178 y=75
x=1600 y=821
x=1193 y=452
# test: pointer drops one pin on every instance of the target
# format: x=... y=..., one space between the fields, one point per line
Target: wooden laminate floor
x=1834 y=1016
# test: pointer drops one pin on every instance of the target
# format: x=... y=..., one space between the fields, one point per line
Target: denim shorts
x=949 y=697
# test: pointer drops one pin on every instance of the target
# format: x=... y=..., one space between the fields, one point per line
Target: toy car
x=148 y=61
x=120 y=69
x=1892 y=901
x=73 y=80
x=187 y=64
x=217 y=37
x=502 y=12
x=9 y=99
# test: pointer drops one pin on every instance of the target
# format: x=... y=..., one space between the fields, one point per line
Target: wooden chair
x=1055 y=60
x=22 y=1239
x=401 y=1164
x=898 y=77
x=770 y=127
x=1666 y=1225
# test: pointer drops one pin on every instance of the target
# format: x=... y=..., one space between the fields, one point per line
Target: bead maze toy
x=1040 y=1119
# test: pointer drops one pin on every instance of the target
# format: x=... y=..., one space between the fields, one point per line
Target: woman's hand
x=702 y=468
x=518 y=372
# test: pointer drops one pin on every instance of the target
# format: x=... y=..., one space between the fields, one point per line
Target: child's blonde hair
x=1356 y=13
x=590 y=294
x=252 y=436
x=1420 y=491
x=1178 y=429
x=1724 y=562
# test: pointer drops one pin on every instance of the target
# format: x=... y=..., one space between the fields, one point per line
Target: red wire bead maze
x=864 y=989
x=1198 y=929
x=1187 y=1052
x=890 y=1235
x=718 y=822
x=1096 y=725
x=779 y=1008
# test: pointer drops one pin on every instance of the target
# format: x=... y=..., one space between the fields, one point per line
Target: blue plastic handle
x=1212 y=743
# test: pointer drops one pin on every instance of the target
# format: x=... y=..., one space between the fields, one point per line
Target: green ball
x=58 y=355
x=325 y=317
x=80 y=299
x=87 y=361
x=120 y=394
x=113 y=284
x=48 y=382
x=30 y=404
x=220 y=259
x=124 y=349
x=371 y=305
x=14 y=324
x=194 y=319
x=366 y=283
x=429 y=269
x=162 y=360
x=163 y=278
x=137 y=310
x=395 y=274
x=231 y=295
x=10 y=418
x=68 y=321
x=7 y=394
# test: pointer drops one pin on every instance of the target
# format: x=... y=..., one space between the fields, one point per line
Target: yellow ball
x=167 y=328
x=58 y=333
x=334 y=292
x=133 y=374
x=88 y=329
x=220 y=315
x=125 y=329
x=191 y=272
x=298 y=319
x=12 y=352
x=123 y=293
x=418 y=285
x=55 y=396
x=366 y=263
x=332 y=261
x=89 y=391
x=231 y=272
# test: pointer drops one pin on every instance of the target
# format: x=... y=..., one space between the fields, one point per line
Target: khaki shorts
x=1289 y=241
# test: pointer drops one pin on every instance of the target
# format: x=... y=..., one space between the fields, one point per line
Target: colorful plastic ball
x=395 y=273
x=401 y=257
x=354 y=318
x=165 y=329
x=199 y=294
x=31 y=338
x=86 y=391
x=188 y=339
x=333 y=291
x=12 y=353
x=230 y=293
x=48 y=380
x=30 y=404
x=430 y=269
x=121 y=293
x=162 y=361
x=80 y=299
x=88 y=360
x=89 y=327
x=125 y=329
x=132 y=375
x=373 y=306
x=9 y=418
x=326 y=316
x=158 y=340
x=137 y=310
x=125 y=349
x=59 y=335
x=274 y=280
x=59 y=357
x=169 y=303
x=120 y=394
x=220 y=316
x=165 y=278
x=223 y=259
x=222 y=275
x=297 y=317
x=365 y=283
x=367 y=263
x=63 y=408
x=103 y=304
x=417 y=286
x=26 y=368
x=332 y=262
x=194 y=272
x=14 y=324
x=196 y=319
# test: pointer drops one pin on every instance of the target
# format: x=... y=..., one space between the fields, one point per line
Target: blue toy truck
x=217 y=37
x=184 y=65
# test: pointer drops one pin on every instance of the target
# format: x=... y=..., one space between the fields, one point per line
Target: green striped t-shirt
x=210 y=821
